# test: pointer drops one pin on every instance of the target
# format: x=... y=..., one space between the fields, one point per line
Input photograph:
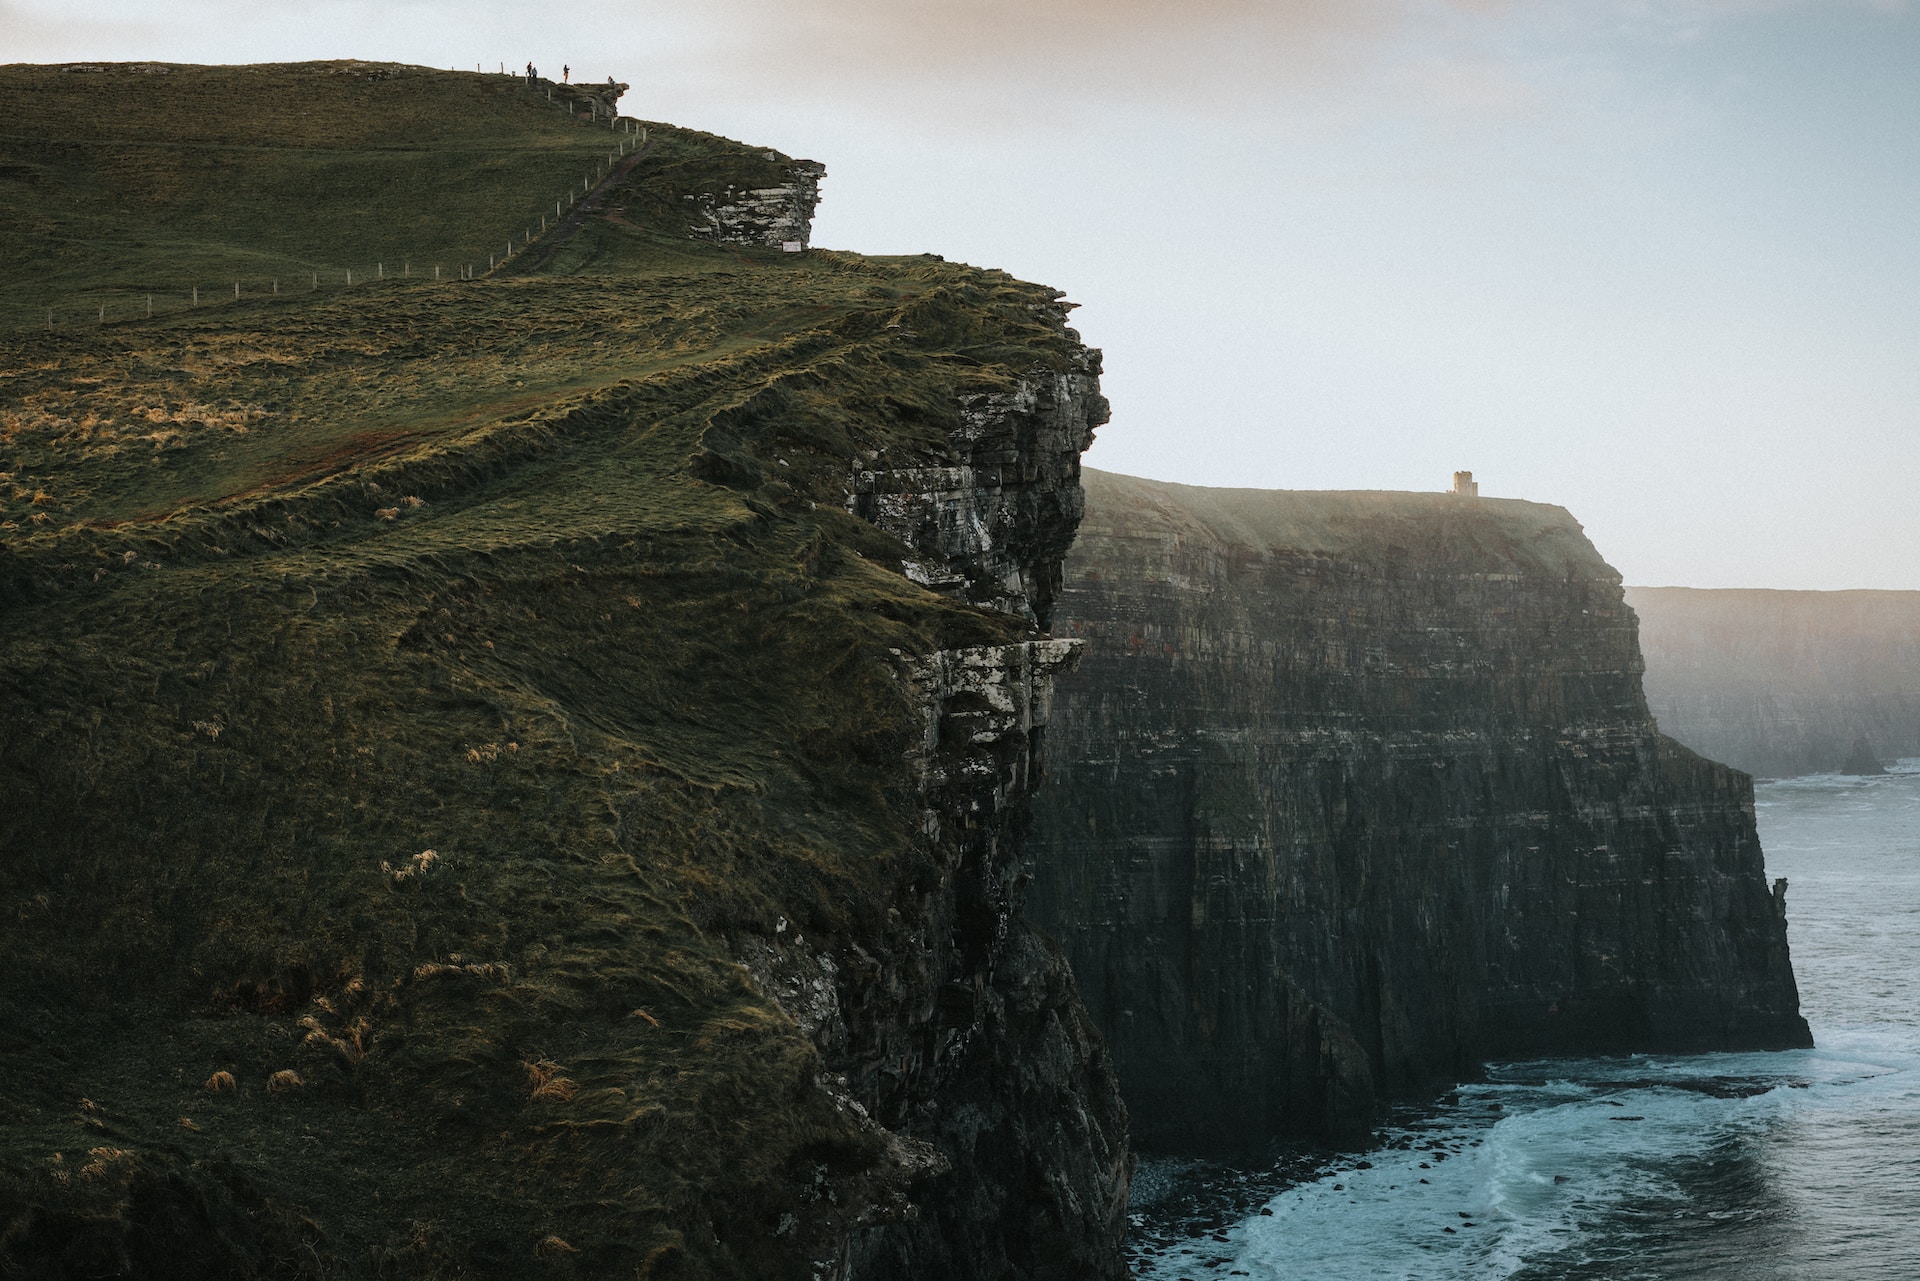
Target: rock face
x=1353 y=791
x=1783 y=683
x=985 y=1052
x=960 y=1033
x=770 y=216
x=995 y=524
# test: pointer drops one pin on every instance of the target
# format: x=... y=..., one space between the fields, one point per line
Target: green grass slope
x=406 y=691
x=120 y=182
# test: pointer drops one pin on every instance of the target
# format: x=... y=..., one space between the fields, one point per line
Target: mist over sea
x=1792 y=1165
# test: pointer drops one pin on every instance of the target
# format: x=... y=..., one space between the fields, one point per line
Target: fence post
x=196 y=295
x=276 y=284
x=49 y=318
x=380 y=270
x=236 y=289
x=316 y=280
x=103 y=313
x=436 y=271
x=406 y=268
x=149 y=305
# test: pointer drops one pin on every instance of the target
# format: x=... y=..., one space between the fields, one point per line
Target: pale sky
x=1655 y=260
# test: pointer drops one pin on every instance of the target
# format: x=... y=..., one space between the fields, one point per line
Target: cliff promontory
x=1353 y=791
x=518 y=698
x=1779 y=683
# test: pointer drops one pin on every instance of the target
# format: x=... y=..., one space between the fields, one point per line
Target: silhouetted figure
x=565 y=72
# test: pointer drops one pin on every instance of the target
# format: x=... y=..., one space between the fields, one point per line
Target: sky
x=1657 y=261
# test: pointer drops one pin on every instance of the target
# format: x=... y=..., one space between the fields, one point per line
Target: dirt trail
x=543 y=250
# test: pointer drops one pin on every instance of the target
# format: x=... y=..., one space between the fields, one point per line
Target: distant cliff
x=1783 y=683
x=1352 y=791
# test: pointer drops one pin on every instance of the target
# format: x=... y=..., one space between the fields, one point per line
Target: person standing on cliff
x=565 y=72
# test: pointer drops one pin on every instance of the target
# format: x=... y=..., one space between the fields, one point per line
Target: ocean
x=1797 y=1165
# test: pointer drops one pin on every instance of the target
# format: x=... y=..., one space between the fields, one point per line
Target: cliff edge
x=517 y=773
x=1354 y=791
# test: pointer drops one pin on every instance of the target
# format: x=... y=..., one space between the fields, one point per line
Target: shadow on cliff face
x=1353 y=792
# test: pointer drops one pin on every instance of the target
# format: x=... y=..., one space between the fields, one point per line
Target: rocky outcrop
x=1780 y=683
x=995 y=1065
x=1351 y=792
x=993 y=525
x=773 y=215
x=960 y=1034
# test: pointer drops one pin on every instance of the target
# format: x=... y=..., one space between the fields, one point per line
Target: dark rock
x=1861 y=760
x=981 y=1049
x=1352 y=792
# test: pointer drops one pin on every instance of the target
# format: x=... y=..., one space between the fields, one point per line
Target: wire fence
x=116 y=304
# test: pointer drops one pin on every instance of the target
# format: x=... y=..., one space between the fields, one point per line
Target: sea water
x=1791 y=1165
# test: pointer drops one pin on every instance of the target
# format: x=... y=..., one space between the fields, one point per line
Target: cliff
x=1353 y=791
x=1780 y=683
x=518 y=776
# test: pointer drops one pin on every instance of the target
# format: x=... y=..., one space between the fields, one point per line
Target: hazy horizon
x=1650 y=260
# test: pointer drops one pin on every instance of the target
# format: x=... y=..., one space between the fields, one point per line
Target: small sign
x=790 y=246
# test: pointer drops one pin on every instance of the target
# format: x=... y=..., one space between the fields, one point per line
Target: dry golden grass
x=547 y=1083
x=222 y=1083
x=285 y=1081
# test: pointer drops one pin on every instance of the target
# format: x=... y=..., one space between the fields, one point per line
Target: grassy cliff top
x=1434 y=532
x=125 y=183
x=412 y=689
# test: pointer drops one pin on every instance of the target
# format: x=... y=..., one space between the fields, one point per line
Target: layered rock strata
x=773 y=216
x=993 y=525
x=1780 y=683
x=1353 y=791
x=984 y=1052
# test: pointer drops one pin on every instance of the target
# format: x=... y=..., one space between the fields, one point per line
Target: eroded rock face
x=770 y=216
x=958 y=1031
x=1002 y=1073
x=993 y=525
x=1351 y=792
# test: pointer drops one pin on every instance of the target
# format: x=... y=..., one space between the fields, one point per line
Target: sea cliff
x=1353 y=791
x=517 y=768
x=1780 y=683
